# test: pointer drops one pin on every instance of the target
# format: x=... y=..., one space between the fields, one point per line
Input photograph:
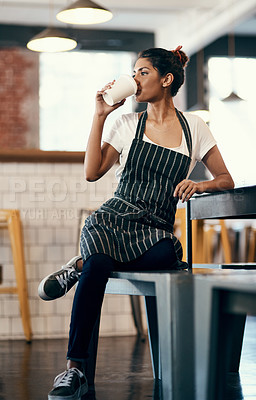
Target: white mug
x=123 y=87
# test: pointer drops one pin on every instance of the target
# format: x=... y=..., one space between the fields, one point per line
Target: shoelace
x=68 y=274
x=65 y=378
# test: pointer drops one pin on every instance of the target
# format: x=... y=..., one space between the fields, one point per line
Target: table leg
x=175 y=326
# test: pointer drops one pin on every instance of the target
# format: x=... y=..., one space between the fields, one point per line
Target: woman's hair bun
x=183 y=58
x=181 y=55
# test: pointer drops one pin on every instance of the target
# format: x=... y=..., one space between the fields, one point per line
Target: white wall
x=195 y=28
x=50 y=197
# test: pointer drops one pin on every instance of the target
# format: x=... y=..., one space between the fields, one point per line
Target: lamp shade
x=84 y=12
x=51 y=40
x=232 y=98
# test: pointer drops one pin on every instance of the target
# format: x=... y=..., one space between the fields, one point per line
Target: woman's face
x=148 y=80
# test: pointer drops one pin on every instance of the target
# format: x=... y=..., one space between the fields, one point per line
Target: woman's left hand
x=186 y=188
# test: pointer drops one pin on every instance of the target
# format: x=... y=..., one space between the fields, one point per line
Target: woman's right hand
x=102 y=108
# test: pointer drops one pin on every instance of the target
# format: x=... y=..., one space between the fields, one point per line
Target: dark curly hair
x=168 y=61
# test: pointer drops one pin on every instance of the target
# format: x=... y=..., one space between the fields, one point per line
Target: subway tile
x=54 y=219
x=33 y=307
x=63 y=235
x=55 y=324
x=39 y=325
x=4 y=184
x=45 y=169
x=46 y=236
x=8 y=204
x=33 y=290
x=30 y=235
x=64 y=305
x=16 y=328
x=114 y=305
x=31 y=272
x=5 y=327
x=107 y=324
x=124 y=323
x=6 y=254
x=36 y=253
x=27 y=168
x=10 y=168
x=69 y=252
x=126 y=304
x=46 y=307
x=8 y=271
x=45 y=268
x=11 y=307
x=77 y=169
x=55 y=253
x=62 y=169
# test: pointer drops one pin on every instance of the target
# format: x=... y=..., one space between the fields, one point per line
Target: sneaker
x=59 y=283
x=69 y=385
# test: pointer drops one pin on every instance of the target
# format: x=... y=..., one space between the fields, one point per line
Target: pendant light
x=84 y=12
x=233 y=96
x=51 y=40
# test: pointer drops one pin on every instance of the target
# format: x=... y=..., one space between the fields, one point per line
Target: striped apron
x=142 y=211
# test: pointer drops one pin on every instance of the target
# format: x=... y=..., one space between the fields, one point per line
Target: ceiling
x=146 y=15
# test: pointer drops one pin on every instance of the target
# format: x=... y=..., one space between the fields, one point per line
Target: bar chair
x=10 y=219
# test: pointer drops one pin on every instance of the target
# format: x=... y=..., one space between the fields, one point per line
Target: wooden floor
x=123 y=370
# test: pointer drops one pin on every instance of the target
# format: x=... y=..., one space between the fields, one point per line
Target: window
x=68 y=85
x=234 y=123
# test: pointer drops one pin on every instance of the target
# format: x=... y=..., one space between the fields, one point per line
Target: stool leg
x=14 y=226
x=151 y=311
x=225 y=242
x=136 y=312
x=174 y=295
x=198 y=241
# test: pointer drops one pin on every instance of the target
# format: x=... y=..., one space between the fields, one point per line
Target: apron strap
x=186 y=130
x=141 y=126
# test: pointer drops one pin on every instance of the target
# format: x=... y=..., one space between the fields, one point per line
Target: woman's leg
x=161 y=256
x=87 y=304
x=72 y=383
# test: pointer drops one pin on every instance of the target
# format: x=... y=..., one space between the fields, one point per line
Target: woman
x=157 y=150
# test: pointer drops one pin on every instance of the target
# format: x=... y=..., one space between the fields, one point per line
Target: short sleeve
x=114 y=136
x=204 y=139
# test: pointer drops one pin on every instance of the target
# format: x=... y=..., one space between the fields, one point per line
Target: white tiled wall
x=50 y=197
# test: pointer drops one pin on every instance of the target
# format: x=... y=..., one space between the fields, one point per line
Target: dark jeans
x=91 y=287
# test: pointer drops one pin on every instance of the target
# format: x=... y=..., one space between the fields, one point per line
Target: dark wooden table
x=239 y=203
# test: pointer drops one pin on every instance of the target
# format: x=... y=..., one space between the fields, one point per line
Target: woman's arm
x=222 y=178
x=99 y=159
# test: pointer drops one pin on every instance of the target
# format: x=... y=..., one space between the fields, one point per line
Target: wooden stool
x=11 y=219
x=202 y=239
x=252 y=245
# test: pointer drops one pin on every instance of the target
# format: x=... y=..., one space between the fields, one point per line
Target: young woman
x=157 y=150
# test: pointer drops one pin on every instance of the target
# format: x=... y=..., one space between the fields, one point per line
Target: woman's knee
x=162 y=255
x=98 y=265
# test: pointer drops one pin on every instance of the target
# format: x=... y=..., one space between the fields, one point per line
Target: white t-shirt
x=124 y=129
